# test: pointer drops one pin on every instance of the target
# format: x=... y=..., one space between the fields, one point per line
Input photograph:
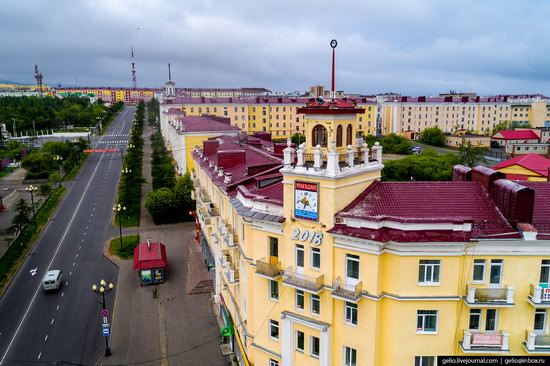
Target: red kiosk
x=151 y=262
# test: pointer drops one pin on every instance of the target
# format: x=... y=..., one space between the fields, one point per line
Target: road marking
x=66 y=283
x=80 y=247
x=56 y=251
x=70 y=273
x=39 y=355
x=33 y=271
x=53 y=319
x=73 y=264
x=46 y=338
x=77 y=255
x=57 y=307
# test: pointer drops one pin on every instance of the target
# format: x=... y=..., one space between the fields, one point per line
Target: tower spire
x=134 y=81
x=169 y=73
x=333 y=44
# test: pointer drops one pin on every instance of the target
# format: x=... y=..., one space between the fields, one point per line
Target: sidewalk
x=176 y=328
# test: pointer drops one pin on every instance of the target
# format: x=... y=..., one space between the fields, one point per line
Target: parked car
x=416 y=150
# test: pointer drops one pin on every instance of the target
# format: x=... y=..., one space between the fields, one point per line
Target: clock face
x=306 y=201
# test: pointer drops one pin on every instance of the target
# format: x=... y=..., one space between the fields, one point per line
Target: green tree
x=471 y=155
x=298 y=138
x=395 y=144
x=433 y=136
x=428 y=166
x=162 y=205
x=45 y=189
x=22 y=216
x=182 y=190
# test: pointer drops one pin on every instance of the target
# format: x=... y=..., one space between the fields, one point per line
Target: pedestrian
x=155 y=292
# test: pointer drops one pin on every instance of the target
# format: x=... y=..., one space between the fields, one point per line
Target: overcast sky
x=414 y=47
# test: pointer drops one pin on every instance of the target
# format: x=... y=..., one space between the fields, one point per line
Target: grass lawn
x=129 y=242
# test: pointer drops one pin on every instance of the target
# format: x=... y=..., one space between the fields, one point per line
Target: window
x=273 y=362
x=300 y=299
x=300 y=341
x=299 y=255
x=316 y=258
x=351 y=313
x=339 y=132
x=540 y=320
x=315 y=304
x=319 y=136
x=274 y=290
x=426 y=321
x=350 y=356
x=349 y=138
x=424 y=360
x=475 y=319
x=545 y=272
x=428 y=272
x=273 y=247
x=352 y=266
x=479 y=270
x=491 y=320
x=314 y=345
x=274 y=329
x=496 y=272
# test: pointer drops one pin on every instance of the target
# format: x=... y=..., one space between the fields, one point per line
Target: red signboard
x=486 y=339
x=101 y=150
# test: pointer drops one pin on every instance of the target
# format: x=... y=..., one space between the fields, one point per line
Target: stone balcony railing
x=539 y=296
x=227 y=233
x=485 y=342
x=267 y=269
x=493 y=297
x=345 y=290
x=303 y=282
x=536 y=343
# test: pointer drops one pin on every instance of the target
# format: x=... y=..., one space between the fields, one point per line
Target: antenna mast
x=134 y=82
x=38 y=77
x=169 y=73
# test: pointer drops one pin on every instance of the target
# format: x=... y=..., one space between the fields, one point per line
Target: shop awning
x=150 y=256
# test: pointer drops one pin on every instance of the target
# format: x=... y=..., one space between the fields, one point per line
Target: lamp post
x=31 y=189
x=58 y=159
x=102 y=291
x=126 y=170
x=117 y=210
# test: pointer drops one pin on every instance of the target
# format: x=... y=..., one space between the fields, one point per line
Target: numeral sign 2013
x=305 y=235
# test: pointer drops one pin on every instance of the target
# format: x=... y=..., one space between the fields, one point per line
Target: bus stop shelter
x=151 y=262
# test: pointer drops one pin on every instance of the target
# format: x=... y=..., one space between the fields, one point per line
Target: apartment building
x=480 y=115
x=223 y=92
x=110 y=94
x=278 y=115
x=317 y=262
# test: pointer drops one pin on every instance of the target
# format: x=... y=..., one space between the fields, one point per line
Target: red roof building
x=525 y=167
x=515 y=135
x=150 y=256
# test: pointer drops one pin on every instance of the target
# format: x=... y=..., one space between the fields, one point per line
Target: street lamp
x=31 y=189
x=117 y=210
x=58 y=159
x=102 y=291
x=131 y=146
x=126 y=170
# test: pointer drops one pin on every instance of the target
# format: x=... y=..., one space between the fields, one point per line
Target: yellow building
x=277 y=115
x=480 y=115
x=317 y=262
x=111 y=94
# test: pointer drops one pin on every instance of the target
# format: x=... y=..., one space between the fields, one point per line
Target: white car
x=52 y=280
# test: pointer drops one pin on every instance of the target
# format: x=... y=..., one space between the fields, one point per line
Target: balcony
x=484 y=342
x=269 y=270
x=227 y=233
x=489 y=297
x=536 y=343
x=204 y=198
x=539 y=296
x=346 y=291
x=302 y=281
x=231 y=273
x=204 y=217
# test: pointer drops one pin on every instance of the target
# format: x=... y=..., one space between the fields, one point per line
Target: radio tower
x=38 y=77
x=134 y=82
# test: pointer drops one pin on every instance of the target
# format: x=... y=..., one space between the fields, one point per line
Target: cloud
x=414 y=47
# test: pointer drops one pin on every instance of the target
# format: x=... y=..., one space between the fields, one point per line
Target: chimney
x=486 y=176
x=210 y=147
x=516 y=202
x=528 y=231
x=462 y=173
x=230 y=158
x=228 y=178
x=278 y=148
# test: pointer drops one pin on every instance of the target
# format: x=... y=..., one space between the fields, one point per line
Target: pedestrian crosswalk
x=114 y=142
x=117 y=135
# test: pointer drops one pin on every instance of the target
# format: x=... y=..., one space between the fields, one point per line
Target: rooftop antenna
x=38 y=77
x=333 y=44
x=134 y=82
x=169 y=73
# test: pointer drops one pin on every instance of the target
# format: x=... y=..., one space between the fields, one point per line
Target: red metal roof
x=146 y=257
x=429 y=203
x=200 y=124
x=516 y=135
x=541 y=213
x=534 y=162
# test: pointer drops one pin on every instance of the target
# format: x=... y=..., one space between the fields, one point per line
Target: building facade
x=110 y=94
x=223 y=92
x=317 y=262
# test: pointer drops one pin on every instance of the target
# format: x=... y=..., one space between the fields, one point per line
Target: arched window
x=339 y=132
x=319 y=136
x=348 y=135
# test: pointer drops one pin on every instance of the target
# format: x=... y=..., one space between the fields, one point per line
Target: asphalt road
x=38 y=327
